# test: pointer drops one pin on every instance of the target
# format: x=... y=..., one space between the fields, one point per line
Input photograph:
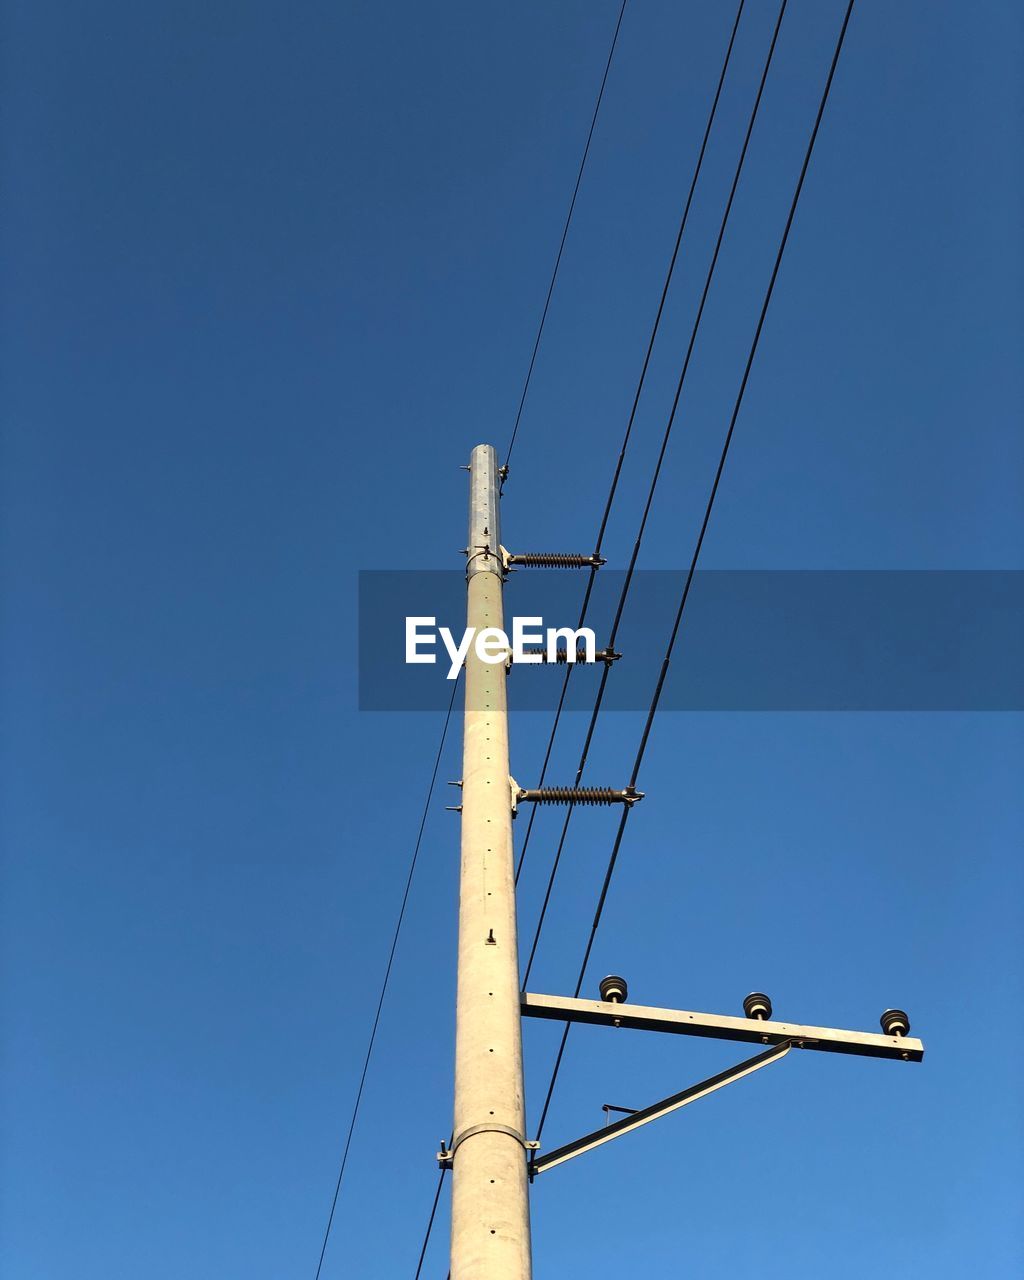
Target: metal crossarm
x=721 y=1027
x=538 y=1164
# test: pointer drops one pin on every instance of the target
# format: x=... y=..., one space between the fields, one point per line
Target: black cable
x=430 y=1224
x=652 y=710
x=739 y=395
x=565 y=232
x=387 y=977
x=631 y=569
x=629 y=425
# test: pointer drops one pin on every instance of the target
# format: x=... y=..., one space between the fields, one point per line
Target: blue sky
x=268 y=274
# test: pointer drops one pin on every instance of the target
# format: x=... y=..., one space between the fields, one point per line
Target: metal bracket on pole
x=644 y=1116
x=446 y=1156
x=455 y=808
x=608 y=1108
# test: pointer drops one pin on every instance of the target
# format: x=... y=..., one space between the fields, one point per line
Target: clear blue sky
x=268 y=273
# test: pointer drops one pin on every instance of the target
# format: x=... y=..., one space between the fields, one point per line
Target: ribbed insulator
x=555 y=560
x=580 y=795
x=561 y=655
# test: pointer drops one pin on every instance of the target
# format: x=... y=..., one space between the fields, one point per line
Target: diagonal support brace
x=597 y=1138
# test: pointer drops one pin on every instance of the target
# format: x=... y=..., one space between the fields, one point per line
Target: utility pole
x=490 y=1205
x=491 y=1159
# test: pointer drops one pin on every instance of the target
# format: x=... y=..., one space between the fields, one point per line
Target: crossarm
x=721 y=1027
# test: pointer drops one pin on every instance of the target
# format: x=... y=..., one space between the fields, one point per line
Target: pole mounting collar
x=446 y=1156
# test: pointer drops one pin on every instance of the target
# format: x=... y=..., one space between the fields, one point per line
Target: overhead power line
x=387 y=977
x=652 y=710
x=565 y=233
x=627 y=435
x=655 y=477
x=430 y=1224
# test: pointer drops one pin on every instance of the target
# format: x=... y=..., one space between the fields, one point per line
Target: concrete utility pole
x=491 y=1159
x=490 y=1206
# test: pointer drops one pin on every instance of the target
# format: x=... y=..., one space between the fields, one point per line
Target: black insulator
x=555 y=560
x=614 y=990
x=895 y=1023
x=581 y=795
x=757 y=1005
x=562 y=655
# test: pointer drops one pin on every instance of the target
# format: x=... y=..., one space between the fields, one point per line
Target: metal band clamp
x=446 y=1156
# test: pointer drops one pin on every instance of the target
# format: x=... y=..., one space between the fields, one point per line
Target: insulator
x=562 y=655
x=895 y=1023
x=614 y=991
x=757 y=1005
x=555 y=560
x=580 y=795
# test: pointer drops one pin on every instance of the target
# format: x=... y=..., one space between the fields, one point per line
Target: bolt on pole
x=490 y=1206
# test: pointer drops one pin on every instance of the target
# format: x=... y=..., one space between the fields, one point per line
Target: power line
x=656 y=475
x=387 y=977
x=652 y=710
x=565 y=233
x=430 y=1224
x=742 y=390
x=632 y=414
